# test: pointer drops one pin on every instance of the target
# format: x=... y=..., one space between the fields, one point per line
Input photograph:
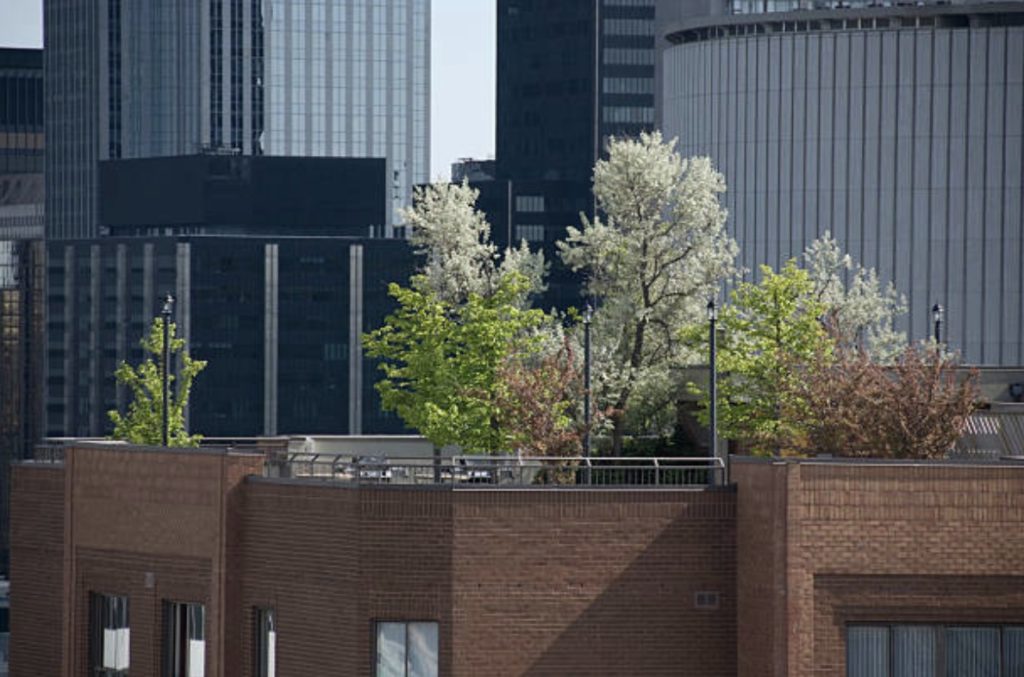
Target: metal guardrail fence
x=47 y=453
x=500 y=471
x=770 y=6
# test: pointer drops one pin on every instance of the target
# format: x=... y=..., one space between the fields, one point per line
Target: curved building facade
x=897 y=128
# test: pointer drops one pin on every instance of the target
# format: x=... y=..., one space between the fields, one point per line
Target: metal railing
x=772 y=6
x=47 y=453
x=500 y=471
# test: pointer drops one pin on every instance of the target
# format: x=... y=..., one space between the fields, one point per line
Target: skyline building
x=274 y=278
x=898 y=128
x=569 y=75
x=21 y=143
x=21 y=266
x=335 y=78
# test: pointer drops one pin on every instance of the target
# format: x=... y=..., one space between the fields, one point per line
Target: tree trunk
x=618 y=432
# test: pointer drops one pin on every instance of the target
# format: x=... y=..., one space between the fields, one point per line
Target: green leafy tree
x=464 y=317
x=652 y=259
x=143 y=424
x=441 y=360
x=767 y=332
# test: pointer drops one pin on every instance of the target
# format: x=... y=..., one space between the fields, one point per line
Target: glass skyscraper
x=336 y=78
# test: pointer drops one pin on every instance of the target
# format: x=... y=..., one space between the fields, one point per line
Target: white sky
x=462 y=78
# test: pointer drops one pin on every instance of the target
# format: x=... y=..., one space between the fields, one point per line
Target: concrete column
x=270 y=339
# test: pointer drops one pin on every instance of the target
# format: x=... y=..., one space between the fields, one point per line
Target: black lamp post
x=166 y=314
x=588 y=317
x=937 y=311
x=713 y=381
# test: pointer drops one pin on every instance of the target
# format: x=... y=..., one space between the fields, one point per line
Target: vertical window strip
x=216 y=64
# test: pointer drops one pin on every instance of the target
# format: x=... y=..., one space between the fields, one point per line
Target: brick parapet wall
x=520 y=582
x=875 y=541
x=151 y=523
x=531 y=582
x=594 y=583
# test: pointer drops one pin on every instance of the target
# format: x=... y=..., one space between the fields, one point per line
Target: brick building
x=202 y=562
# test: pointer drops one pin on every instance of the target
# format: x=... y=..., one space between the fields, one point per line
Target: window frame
x=405 y=623
x=941 y=638
x=264 y=646
x=178 y=629
x=108 y=611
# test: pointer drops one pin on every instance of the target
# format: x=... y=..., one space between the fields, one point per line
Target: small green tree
x=768 y=331
x=143 y=424
x=441 y=360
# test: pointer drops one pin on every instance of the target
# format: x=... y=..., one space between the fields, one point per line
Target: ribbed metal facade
x=902 y=138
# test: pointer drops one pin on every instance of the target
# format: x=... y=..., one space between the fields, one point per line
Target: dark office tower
x=335 y=78
x=275 y=275
x=21 y=111
x=21 y=144
x=569 y=75
x=565 y=71
x=21 y=279
x=279 y=321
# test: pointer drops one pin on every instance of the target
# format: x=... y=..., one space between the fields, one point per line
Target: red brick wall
x=593 y=583
x=37 y=570
x=332 y=559
x=150 y=524
x=520 y=583
x=893 y=543
x=532 y=582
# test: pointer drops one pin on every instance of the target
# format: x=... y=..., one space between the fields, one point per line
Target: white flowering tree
x=652 y=258
x=454 y=239
x=861 y=309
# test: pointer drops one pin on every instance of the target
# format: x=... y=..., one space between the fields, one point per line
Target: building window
x=530 y=233
x=529 y=203
x=934 y=650
x=185 y=639
x=266 y=643
x=406 y=649
x=109 y=635
x=629 y=27
x=628 y=114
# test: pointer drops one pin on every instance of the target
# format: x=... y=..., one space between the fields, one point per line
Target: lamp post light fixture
x=713 y=381
x=588 y=317
x=166 y=314
x=937 y=311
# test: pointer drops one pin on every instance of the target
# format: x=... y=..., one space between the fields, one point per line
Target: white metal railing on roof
x=501 y=471
x=995 y=434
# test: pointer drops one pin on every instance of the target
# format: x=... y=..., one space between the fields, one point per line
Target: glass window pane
x=196 y=642
x=391 y=650
x=111 y=633
x=271 y=652
x=867 y=651
x=913 y=651
x=266 y=643
x=423 y=650
x=1013 y=651
x=972 y=652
